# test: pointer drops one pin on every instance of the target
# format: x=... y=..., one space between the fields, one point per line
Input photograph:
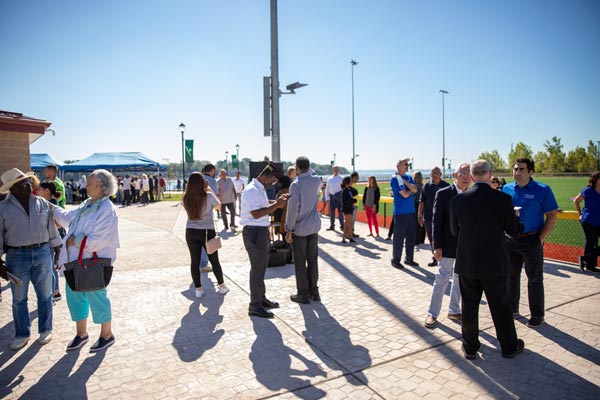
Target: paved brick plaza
x=365 y=340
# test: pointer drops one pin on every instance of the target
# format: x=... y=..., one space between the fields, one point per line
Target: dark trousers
x=151 y=194
x=196 y=240
x=231 y=208
x=405 y=226
x=528 y=250
x=591 y=251
x=306 y=253
x=496 y=293
x=335 y=204
x=256 y=241
x=127 y=197
x=429 y=231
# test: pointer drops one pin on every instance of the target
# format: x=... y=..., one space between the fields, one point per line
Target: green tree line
x=551 y=160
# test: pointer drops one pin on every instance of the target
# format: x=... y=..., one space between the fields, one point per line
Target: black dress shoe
x=396 y=264
x=519 y=349
x=593 y=269
x=534 y=322
x=468 y=356
x=331 y=228
x=432 y=263
x=260 y=312
x=300 y=298
x=270 y=304
x=354 y=235
x=411 y=263
x=315 y=296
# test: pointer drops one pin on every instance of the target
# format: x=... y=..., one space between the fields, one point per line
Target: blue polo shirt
x=591 y=210
x=402 y=205
x=535 y=200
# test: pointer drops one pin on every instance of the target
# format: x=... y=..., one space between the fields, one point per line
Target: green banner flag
x=234 y=161
x=189 y=150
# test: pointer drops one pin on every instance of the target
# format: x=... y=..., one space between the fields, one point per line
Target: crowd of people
x=482 y=233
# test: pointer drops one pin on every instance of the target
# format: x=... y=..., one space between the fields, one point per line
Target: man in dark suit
x=480 y=217
x=444 y=248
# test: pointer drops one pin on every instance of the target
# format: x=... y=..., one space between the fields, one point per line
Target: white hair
x=108 y=182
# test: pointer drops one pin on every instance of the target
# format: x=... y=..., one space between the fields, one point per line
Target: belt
x=256 y=227
x=533 y=233
x=28 y=247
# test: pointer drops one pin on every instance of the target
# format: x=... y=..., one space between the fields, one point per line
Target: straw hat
x=11 y=177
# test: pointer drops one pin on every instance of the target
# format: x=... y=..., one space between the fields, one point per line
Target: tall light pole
x=226 y=156
x=352 y=64
x=237 y=156
x=182 y=129
x=275 y=144
x=443 y=92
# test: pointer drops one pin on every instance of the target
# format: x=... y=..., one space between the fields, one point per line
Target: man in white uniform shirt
x=254 y=217
x=333 y=195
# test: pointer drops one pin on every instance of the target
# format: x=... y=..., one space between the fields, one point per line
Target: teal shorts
x=80 y=304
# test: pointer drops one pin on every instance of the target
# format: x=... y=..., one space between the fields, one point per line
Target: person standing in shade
x=302 y=225
x=82 y=188
x=31 y=242
x=420 y=234
x=425 y=213
x=50 y=173
x=590 y=222
x=444 y=244
x=333 y=192
x=480 y=218
x=226 y=194
x=405 y=221
x=538 y=210
x=348 y=204
x=255 y=219
x=127 y=190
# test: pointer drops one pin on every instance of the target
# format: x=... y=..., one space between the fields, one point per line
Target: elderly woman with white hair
x=97 y=220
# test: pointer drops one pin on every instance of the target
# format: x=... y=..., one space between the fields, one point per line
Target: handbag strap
x=80 y=258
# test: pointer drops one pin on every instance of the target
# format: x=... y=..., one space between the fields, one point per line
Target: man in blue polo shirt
x=405 y=222
x=538 y=209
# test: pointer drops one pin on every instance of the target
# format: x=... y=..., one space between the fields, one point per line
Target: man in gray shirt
x=31 y=241
x=227 y=197
x=302 y=225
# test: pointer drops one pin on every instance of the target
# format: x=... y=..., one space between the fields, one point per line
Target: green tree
x=521 y=150
x=540 y=159
x=593 y=161
x=577 y=160
x=556 y=155
x=498 y=164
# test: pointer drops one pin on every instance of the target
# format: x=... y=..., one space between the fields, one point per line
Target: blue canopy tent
x=127 y=161
x=39 y=162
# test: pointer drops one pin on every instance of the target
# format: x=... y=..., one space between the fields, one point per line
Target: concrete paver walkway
x=364 y=340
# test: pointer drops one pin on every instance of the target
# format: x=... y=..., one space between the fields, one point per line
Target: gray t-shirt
x=226 y=191
x=207 y=220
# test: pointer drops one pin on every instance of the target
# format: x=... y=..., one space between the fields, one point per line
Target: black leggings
x=196 y=240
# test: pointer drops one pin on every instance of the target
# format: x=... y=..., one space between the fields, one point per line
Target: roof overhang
x=16 y=122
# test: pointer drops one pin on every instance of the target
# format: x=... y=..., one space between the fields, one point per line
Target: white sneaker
x=199 y=293
x=19 y=343
x=45 y=338
x=208 y=268
x=222 y=289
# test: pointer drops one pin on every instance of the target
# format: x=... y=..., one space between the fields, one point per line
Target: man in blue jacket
x=405 y=221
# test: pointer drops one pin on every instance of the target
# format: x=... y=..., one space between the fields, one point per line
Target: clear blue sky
x=121 y=75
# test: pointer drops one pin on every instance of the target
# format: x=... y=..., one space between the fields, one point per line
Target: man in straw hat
x=31 y=241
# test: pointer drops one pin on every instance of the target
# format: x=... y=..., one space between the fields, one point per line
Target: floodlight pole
x=275 y=143
x=182 y=129
x=443 y=92
x=352 y=64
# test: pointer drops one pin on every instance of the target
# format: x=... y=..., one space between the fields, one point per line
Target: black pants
x=127 y=197
x=528 y=250
x=196 y=241
x=231 y=208
x=256 y=241
x=151 y=194
x=306 y=254
x=591 y=251
x=496 y=293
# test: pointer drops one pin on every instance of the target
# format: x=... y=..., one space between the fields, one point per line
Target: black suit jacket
x=480 y=217
x=442 y=237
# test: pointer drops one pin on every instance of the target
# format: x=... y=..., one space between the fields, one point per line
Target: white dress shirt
x=254 y=198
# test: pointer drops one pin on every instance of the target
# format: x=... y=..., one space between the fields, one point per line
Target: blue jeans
x=35 y=266
x=335 y=204
x=405 y=227
x=445 y=272
x=203 y=258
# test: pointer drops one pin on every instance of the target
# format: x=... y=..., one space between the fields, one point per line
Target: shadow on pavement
x=272 y=363
x=326 y=335
x=60 y=382
x=197 y=333
x=13 y=371
x=7 y=334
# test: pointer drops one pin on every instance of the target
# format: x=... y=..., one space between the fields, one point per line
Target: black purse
x=88 y=274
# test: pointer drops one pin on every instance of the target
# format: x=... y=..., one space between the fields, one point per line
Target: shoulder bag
x=213 y=244
x=88 y=274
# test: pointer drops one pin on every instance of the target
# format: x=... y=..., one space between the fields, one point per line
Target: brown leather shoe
x=455 y=317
